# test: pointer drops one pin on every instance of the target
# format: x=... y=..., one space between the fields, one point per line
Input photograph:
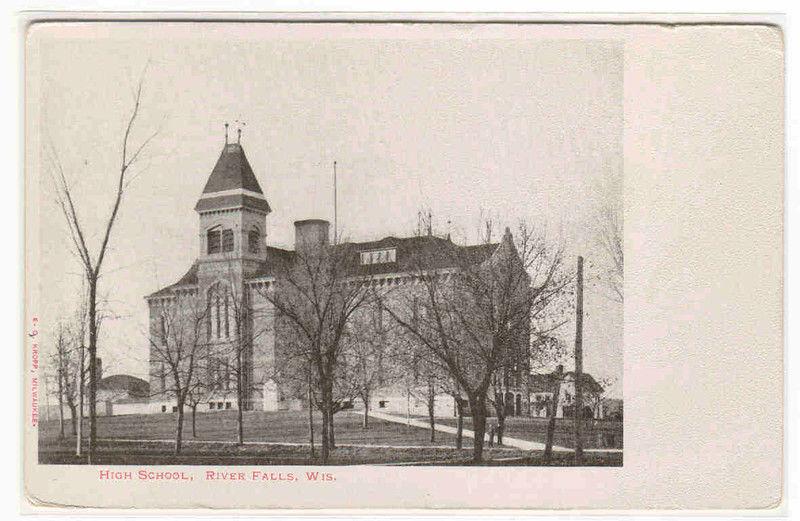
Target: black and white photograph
x=290 y=250
x=404 y=264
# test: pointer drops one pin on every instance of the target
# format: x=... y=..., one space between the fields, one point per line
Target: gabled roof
x=136 y=387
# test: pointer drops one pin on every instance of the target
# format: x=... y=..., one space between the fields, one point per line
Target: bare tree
x=475 y=318
x=245 y=323
x=596 y=398
x=366 y=353
x=178 y=350
x=556 y=380
x=74 y=369
x=424 y=377
x=60 y=361
x=92 y=263
x=198 y=393
x=316 y=298
x=609 y=235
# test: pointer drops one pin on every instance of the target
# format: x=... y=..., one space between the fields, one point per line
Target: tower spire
x=239 y=135
x=226 y=132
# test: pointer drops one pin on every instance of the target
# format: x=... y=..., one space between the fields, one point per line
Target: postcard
x=341 y=264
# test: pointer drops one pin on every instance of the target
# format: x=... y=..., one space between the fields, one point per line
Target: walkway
x=282 y=443
x=507 y=440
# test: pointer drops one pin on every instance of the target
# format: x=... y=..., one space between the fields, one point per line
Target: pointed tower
x=233 y=216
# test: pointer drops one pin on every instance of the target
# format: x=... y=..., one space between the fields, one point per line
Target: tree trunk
x=179 y=428
x=478 y=407
x=501 y=427
x=60 y=394
x=551 y=421
x=331 y=435
x=239 y=423
x=431 y=419
x=325 y=447
x=365 y=423
x=310 y=417
x=460 y=424
x=81 y=382
x=194 y=420
x=74 y=413
x=500 y=410
x=92 y=368
x=239 y=397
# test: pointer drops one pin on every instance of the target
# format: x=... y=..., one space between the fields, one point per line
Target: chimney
x=310 y=235
x=99 y=368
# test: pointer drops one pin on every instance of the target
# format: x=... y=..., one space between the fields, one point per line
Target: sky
x=511 y=125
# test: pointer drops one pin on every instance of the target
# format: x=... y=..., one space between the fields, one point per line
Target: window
x=216 y=307
x=227 y=318
x=219 y=240
x=382 y=404
x=227 y=405
x=174 y=408
x=227 y=240
x=163 y=408
x=213 y=241
x=378 y=256
x=218 y=315
x=210 y=405
x=219 y=405
x=163 y=331
x=253 y=239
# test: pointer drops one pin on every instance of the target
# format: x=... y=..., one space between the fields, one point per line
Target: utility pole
x=579 y=366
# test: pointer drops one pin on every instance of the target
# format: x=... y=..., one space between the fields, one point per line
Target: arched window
x=227 y=318
x=218 y=314
x=217 y=311
x=254 y=240
x=163 y=329
x=213 y=238
x=227 y=240
x=219 y=240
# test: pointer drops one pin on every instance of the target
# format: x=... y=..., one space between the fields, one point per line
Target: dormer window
x=378 y=256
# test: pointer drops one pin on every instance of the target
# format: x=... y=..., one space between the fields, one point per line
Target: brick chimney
x=310 y=235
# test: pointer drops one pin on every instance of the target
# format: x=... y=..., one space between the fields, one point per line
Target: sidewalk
x=507 y=440
x=279 y=443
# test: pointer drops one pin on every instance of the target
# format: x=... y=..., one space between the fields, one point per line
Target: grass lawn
x=596 y=434
x=282 y=426
x=56 y=451
x=287 y=434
